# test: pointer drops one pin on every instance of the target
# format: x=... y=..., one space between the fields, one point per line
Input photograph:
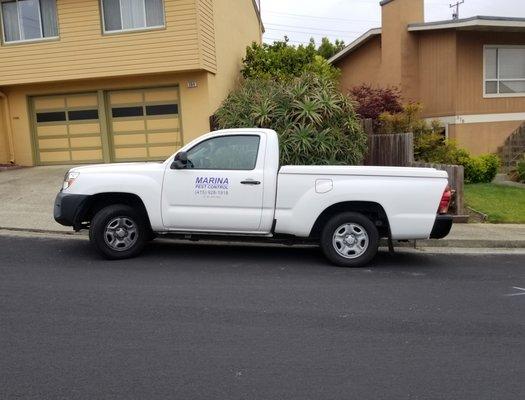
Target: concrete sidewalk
x=27 y=196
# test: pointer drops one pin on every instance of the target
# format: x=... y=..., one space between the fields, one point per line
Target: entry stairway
x=513 y=150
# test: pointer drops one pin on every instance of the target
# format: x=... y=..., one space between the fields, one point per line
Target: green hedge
x=482 y=169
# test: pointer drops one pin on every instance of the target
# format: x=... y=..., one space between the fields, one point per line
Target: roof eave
x=479 y=22
x=361 y=40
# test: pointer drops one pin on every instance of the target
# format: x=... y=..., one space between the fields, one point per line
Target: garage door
x=67 y=129
x=144 y=124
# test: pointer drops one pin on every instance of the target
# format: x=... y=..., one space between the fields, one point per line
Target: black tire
x=354 y=258
x=134 y=225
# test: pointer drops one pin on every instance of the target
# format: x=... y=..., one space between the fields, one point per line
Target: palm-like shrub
x=316 y=123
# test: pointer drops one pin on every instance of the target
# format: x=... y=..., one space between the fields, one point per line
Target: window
x=82 y=115
x=121 y=112
x=24 y=20
x=56 y=116
x=162 y=109
x=238 y=152
x=125 y=15
x=504 y=71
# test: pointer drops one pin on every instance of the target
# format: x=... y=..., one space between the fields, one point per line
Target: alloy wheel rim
x=121 y=233
x=350 y=240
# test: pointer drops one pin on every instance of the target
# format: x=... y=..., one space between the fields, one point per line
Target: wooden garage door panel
x=163 y=151
x=82 y=100
x=65 y=130
x=86 y=142
x=55 y=156
x=131 y=153
x=121 y=140
x=162 y=123
x=165 y=137
x=80 y=129
x=126 y=97
x=148 y=126
x=128 y=126
x=53 y=144
x=86 y=155
x=170 y=95
x=49 y=103
x=51 y=130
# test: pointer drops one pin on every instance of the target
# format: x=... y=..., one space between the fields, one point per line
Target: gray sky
x=348 y=19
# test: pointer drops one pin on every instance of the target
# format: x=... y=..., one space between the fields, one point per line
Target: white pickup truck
x=228 y=185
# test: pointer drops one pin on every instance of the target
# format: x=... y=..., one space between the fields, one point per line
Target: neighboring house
x=91 y=81
x=468 y=73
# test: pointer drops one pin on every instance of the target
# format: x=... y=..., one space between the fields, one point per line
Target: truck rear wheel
x=349 y=240
x=118 y=231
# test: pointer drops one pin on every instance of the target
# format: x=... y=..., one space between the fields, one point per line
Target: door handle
x=250 y=182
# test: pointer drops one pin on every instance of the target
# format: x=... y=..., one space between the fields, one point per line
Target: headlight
x=69 y=179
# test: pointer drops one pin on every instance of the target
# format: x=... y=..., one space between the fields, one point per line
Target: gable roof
x=355 y=44
x=477 y=23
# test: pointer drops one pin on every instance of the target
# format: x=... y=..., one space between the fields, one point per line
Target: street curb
x=441 y=243
x=31 y=230
x=461 y=243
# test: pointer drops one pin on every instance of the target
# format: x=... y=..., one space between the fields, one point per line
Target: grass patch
x=502 y=204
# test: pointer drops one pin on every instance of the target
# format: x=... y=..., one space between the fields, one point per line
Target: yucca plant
x=316 y=123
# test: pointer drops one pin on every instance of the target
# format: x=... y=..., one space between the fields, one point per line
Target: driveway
x=27 y=196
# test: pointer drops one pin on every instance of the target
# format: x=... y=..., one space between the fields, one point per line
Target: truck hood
x=120 y=167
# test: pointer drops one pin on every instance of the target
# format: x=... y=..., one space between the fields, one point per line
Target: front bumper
x=67 y=208
x=442 y=226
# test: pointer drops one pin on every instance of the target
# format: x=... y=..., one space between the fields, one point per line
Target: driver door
x=220 y=189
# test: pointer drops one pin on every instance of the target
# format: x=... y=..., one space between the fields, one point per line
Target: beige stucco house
x=468 y=73
x=87 y=81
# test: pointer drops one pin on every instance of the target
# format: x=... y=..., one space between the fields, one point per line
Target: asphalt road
x=228 y=322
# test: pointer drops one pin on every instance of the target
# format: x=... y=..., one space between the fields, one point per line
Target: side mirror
x=180 y=161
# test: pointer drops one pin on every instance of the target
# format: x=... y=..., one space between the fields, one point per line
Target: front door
x=220 y=190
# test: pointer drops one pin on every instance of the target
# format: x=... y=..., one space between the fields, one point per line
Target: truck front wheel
x=349 y=240
x=118 y=231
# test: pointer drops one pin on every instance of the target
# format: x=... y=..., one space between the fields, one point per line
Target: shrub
x=281 y=60
x=430 y=145
x=520 y=170
x=372 y=102
x=316 y=123
x=482 y=169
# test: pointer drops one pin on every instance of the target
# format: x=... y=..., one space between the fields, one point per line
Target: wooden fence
x=394 y=150
x=455 y=180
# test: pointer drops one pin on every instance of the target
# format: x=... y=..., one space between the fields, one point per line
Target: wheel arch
x=97 y=202
x=372 y=210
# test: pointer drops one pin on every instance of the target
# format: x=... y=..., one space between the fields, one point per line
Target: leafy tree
x=372 y=102
x=282 y=60
x=328 y=49
x=316 y=123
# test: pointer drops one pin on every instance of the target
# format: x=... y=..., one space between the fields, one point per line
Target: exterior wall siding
x=207 y=34
x=437 y=79
x=235 y=29
x=362 y=66
x=83 y=51
x=470 y=98
x=482 y=138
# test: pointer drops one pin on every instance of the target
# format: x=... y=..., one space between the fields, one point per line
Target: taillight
x=444 y=204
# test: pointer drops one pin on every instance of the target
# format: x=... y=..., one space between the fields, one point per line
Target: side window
x=24 y=20
x=237 y=152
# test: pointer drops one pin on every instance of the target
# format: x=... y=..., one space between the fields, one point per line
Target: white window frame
x=145 y=28
x=40 y=39
x=497 y=79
